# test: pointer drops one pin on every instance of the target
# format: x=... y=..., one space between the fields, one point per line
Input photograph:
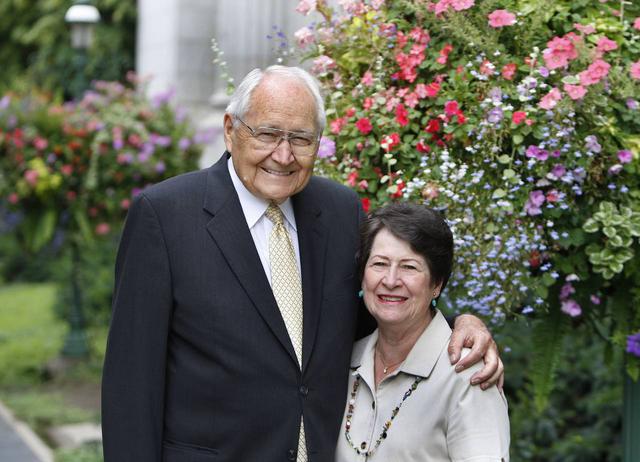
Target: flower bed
x=520 y=121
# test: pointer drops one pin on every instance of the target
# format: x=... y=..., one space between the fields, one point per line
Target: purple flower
x=160 y=140
x=495 y=115
x=535 y=151
x=4 y=102
x=558 y=170
x=206 y=136
x=495 y=94
x=592 y=144
x=118 y=144
x=160 y=167
x=184 y=143
x=566 y=291
x=632 y=104
x=595 y=299
x=544 y=72
x=536 y=199
x=625 y=156
x=327 y=147
x=633 y=344
x=615 y=169
x=160 y=99
x=571 y=307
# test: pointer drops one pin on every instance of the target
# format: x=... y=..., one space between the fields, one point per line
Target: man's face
x=277 y=174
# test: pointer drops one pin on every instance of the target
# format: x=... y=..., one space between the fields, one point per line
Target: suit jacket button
x=291 y=455
x=304 y=391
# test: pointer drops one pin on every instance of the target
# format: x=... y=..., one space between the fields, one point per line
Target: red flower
x=390 y=141
x=432 y=89
x=337 y=124
x=423 y=147
x=402 y=115
x=400 y=185
x=518 y=117
x=534 y=259
x=368 y=102
x=364 y=125
x=366 y=204
x=352 y=178
x=350 y=112
x=433 y=126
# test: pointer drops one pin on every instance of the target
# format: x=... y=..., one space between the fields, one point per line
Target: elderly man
x=236 y=297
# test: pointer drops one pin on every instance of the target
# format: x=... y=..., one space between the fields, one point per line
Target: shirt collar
x=254 y=207
x=421 y=359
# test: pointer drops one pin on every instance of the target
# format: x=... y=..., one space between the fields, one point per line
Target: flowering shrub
x=76 y=166
x=519 y=120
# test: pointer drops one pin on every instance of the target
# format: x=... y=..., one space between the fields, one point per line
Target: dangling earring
x=434 y=302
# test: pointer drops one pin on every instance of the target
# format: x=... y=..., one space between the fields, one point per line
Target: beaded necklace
x=360 y=450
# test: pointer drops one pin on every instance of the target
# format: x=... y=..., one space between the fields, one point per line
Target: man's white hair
x=241 y=97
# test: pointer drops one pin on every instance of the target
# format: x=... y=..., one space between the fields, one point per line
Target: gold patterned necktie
x=287 y=290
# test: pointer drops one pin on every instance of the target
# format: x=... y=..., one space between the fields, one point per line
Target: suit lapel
x=312 y=239
x=229 y=230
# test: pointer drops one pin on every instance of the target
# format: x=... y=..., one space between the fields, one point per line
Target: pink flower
x=377 y=4
x=40 y=143
x=31 y=177
x=411 y=99
x=634 y=71
x=460 y=5
x=518 y=117
x=571 y=307
x=13 y=198
x=304 y=36
x=306 y=6
x=322 y=64
x=337 y=124
x=364 y=125
x=102 y=229
x=442 y=6
x=559 y=51
x=625 y=156
x=595 y=72
x=575 y=91
x=451 y=108
x=586 y=30
x=501 y=18
x=636 y=23
x=550 y=100
x=509 y=70
x=124 y=204
x=367 y=79
x=605 y=44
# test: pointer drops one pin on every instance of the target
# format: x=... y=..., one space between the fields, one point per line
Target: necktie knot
x=274 y=214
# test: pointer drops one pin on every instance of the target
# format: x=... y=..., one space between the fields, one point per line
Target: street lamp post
x=82 y=17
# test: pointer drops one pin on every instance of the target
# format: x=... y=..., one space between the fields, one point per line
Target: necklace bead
x=361 y=449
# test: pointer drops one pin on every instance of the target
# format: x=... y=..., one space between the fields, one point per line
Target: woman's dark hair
x=422 y=228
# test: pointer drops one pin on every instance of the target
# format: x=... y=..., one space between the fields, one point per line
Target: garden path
x=13 y=445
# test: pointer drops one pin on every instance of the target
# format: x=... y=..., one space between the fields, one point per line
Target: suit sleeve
x=133 y=380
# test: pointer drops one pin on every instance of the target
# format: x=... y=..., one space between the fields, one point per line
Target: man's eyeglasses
x=302 y=144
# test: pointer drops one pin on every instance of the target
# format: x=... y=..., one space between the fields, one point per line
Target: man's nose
x=283 y=154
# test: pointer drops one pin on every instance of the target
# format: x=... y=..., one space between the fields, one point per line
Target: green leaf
x=590 y=226
x=39 y=230
x=498 y=193
x=508 y=174
x=609 y=231
x=571 y=80
x=547 y=345
x=518 y=139
x=504 y=159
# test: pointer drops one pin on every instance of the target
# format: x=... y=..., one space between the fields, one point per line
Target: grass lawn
x=31 y=336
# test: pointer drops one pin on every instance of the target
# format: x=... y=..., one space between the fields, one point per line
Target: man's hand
x=470 y=332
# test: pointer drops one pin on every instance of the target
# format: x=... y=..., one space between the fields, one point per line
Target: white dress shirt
x=259 y=225
x=444 y=419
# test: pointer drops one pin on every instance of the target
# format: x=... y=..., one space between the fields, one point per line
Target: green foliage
x=583 y=420
x=30 y=335
x=36 y=44
x=86 y=453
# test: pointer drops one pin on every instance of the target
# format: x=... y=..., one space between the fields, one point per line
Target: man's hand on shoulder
x=471 y=332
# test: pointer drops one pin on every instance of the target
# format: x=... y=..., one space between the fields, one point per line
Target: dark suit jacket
x=199 y=365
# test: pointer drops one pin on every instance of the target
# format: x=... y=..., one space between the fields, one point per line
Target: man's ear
x=228 y=131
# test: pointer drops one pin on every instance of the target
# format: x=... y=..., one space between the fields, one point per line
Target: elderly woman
x=405 y=401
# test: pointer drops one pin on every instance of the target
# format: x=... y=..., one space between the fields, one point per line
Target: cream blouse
x=444 y=418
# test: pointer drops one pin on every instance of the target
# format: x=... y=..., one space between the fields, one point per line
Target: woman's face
x=397 y=283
